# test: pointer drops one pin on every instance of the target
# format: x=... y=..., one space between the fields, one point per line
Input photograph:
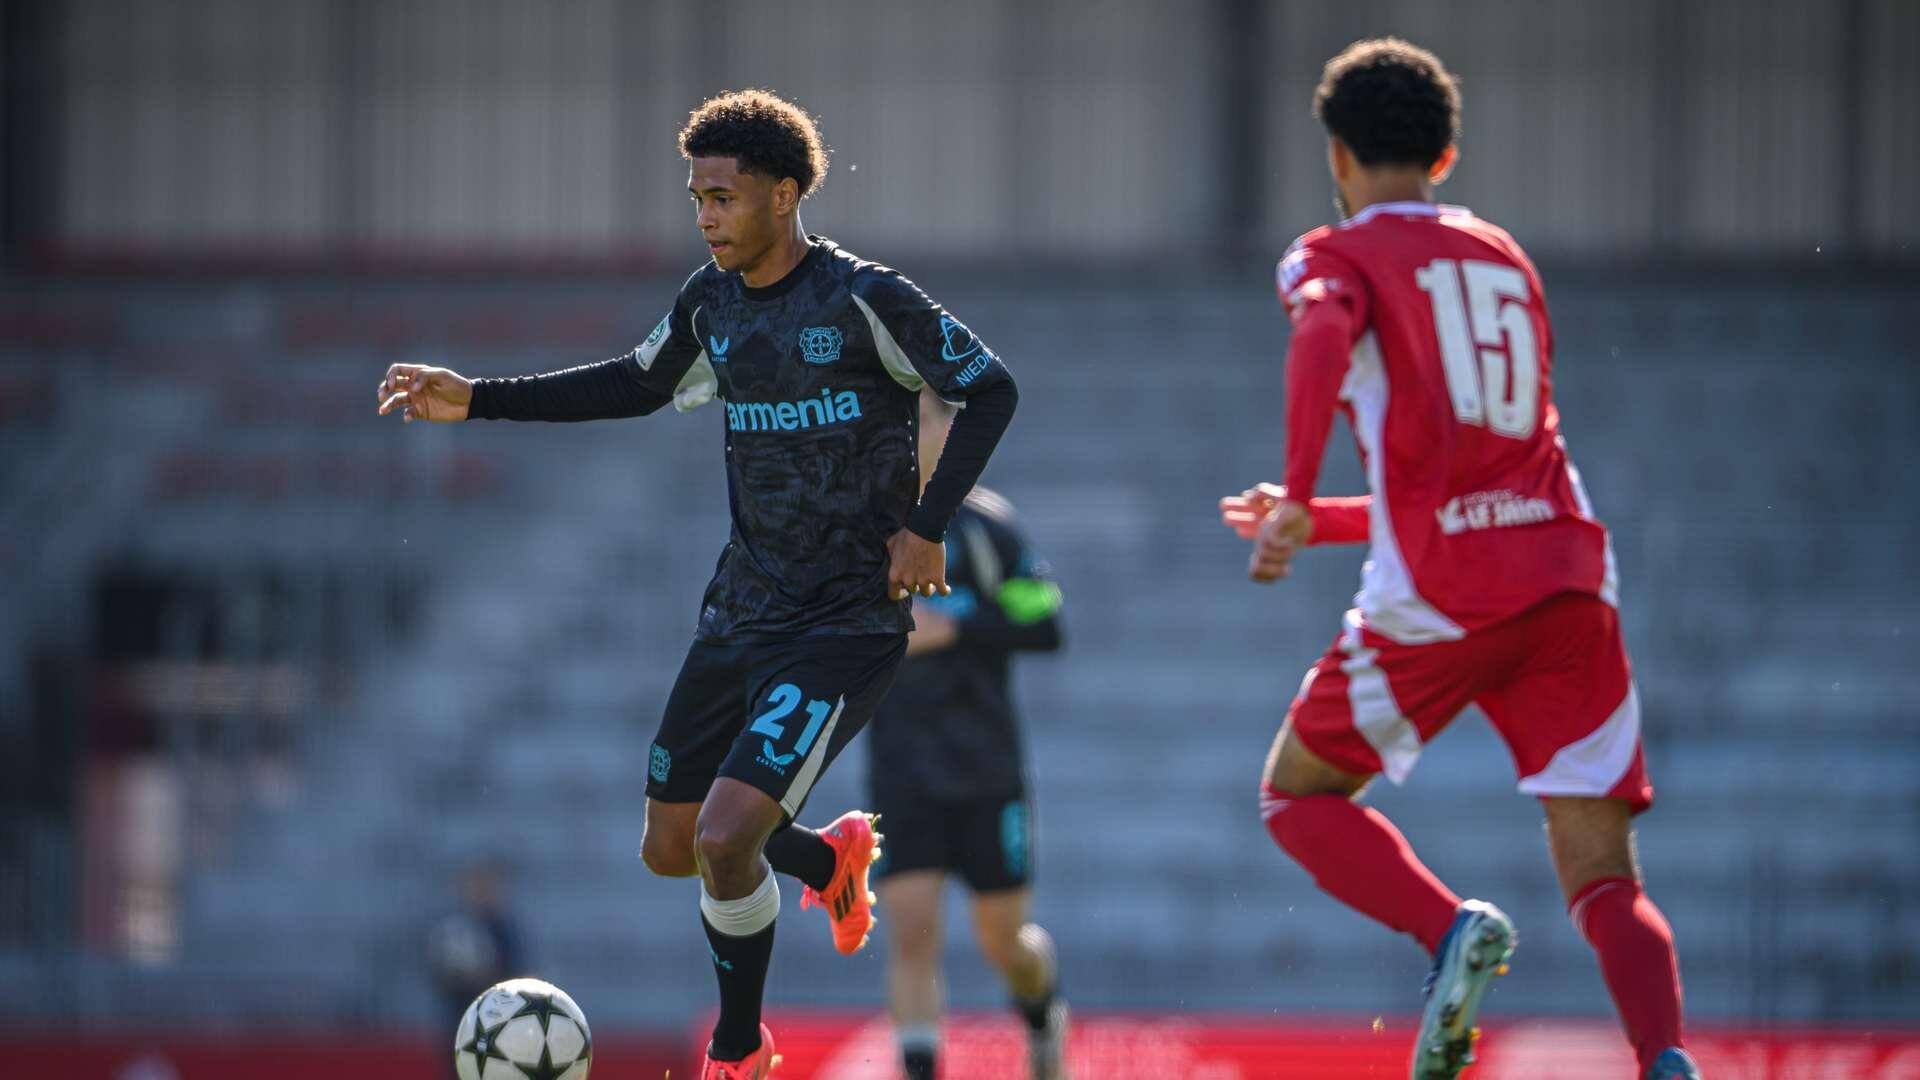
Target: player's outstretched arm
x=1337 y=519
x=607 y=390
x=419 y=392
x=664 y=369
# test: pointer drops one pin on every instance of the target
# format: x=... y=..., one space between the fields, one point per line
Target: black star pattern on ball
x=545 y=1007
x=481 y=1046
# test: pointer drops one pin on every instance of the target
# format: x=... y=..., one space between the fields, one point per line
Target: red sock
x=1635 y=945
x=1356 y=855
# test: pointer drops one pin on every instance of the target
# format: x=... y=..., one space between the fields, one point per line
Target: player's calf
x=1592 y=844
x=1024 y=954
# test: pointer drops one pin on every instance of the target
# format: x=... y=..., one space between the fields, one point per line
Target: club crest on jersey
x=821 y=344
x=659 y=334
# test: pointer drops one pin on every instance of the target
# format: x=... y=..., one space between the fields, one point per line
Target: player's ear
x=1443 y=165
x=786 y=195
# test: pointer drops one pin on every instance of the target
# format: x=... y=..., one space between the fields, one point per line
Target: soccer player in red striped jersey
x=1489 y=581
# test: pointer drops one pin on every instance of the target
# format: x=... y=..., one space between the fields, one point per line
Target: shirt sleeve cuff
x=482 y=406
x=929 y=524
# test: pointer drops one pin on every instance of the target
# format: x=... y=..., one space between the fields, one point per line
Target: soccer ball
x=523 y=1029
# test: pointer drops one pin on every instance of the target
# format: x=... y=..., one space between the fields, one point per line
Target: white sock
x=746 y=916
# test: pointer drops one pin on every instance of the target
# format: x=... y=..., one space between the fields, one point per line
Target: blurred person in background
x=1489 y=580
x=476 y=945
x=819 y=357
x=947 y=777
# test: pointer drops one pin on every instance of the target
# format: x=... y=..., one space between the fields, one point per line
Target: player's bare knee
x=914 y=940
x=668 y=856
x=666 y=843
x=999 y=946
x=726 y=844
x=911 y=913
x=1293 y=769
x=997 y=938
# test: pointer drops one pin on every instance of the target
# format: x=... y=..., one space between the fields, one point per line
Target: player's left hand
x=1284 y=531
x=916 y=566
x=1243 y=512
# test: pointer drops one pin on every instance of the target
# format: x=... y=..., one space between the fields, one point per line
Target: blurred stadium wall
x=1074 y=128
x=272 y=673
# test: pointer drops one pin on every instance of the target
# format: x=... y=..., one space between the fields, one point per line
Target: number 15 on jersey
x=1486 y=343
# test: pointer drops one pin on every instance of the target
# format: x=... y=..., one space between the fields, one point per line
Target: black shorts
x=773 y=714
x=989 y=843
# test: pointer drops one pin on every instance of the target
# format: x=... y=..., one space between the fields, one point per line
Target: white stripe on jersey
x=1387 y=600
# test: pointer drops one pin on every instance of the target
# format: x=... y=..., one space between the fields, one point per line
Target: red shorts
x=1554 y=680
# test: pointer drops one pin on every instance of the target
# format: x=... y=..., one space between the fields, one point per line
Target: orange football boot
x=848 y=902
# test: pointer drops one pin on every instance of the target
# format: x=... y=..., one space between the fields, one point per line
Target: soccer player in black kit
x=948 y=780
x=819 y=358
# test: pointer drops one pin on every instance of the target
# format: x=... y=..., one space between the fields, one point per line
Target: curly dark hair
x=1391 y=102
x=769 y=135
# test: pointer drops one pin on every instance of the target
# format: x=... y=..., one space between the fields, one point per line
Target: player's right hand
x=1243 y=512
x=425 y=393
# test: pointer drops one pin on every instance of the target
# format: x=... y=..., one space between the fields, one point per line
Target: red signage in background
x=829 y=1046
x=1107 y=1047
x=363 y=1056
x=826 y=1047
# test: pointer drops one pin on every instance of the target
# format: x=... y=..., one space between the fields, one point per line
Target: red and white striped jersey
x=1427 y=327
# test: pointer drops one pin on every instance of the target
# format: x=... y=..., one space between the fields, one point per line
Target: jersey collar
x=1408 y=208
x=816 y=250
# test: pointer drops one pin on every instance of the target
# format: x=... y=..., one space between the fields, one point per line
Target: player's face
x=736 y=212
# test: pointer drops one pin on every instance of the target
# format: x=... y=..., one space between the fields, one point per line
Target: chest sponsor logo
x=821 y=344
x=829 y=408
x=1491 y=510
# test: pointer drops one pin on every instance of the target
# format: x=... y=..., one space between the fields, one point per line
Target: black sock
x=919 y=1064
x=740 y=964
x=798 y=851
x=1034 y=1012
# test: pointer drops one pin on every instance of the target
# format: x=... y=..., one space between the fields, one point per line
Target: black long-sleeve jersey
x=819 y=375
x=948 y=729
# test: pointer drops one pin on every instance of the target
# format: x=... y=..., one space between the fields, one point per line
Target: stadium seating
x=1754 y=473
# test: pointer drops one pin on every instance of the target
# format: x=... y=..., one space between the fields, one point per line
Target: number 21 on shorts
x=1486 y=343
x=783 y=701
